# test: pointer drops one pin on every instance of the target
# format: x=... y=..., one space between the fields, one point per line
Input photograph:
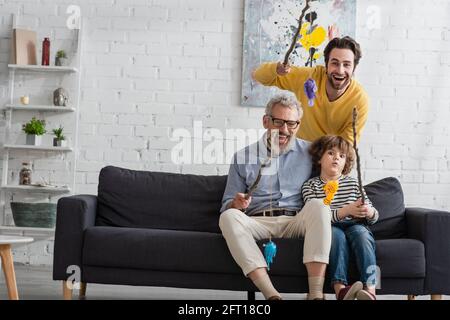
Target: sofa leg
x=436 y=297
x=251 y=295
x=82 y=294
x=411 y=297
x=67 y=292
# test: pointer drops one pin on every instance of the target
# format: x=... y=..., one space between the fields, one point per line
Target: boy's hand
x=357 y=210
x=239 y=202
x=360 y=211
x=283 y=69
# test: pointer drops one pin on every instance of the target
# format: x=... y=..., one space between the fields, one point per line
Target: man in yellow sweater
x=337 y=91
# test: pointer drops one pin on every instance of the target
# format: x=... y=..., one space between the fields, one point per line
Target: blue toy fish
x=270 y=250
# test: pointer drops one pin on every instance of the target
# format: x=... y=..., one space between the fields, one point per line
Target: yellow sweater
x=324 y=117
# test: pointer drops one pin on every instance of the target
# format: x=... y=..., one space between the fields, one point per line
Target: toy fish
x=270 y=250
x=310 y=91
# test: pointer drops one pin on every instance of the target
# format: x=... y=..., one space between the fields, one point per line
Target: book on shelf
x=23 y=47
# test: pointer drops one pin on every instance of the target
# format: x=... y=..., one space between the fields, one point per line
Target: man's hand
x=239 y=202
x=357 y=210
x=283 y=69
x=333 y=32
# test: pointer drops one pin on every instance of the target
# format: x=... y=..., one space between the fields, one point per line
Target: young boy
x=333 y=157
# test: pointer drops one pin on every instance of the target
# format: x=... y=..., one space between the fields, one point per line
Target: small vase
x=59 y=143
x=60 y=61
x=33 y=140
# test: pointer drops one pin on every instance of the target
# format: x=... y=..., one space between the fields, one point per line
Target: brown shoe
x=350 y=292
x=365 y=295
x=275 y=298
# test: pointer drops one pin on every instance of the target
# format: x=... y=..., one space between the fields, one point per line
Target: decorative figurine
x=60 y=97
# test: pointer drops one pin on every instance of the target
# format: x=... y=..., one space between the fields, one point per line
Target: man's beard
x=273 y=139
x=342 y=84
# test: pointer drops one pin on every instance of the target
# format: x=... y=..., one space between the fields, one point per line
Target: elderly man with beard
x=275 y=207
x=337 y=91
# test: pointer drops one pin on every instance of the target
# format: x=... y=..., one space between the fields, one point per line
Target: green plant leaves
x=59 y=133
x=35 y=126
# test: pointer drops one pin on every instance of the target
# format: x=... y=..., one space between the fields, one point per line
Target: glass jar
x=25 y=174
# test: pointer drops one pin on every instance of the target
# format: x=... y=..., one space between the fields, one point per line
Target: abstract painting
x=269 y=27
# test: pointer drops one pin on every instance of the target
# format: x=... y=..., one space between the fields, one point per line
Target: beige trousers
x=240 y=231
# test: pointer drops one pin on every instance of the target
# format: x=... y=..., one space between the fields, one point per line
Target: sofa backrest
x=387 y=196
x=160 y=200
x=143 y=199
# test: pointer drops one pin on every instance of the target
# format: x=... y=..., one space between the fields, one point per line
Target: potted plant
x=34 y=129
x=59 y=140
x=61 y=58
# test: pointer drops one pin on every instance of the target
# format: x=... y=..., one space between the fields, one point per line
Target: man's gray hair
x=286 y=100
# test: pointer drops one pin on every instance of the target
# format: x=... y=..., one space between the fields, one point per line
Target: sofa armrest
x=432 y=227
x=74 y=215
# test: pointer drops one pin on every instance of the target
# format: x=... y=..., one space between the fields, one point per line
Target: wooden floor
x=35 y=283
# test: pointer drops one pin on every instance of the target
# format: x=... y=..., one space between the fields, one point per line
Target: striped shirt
x=348 y=192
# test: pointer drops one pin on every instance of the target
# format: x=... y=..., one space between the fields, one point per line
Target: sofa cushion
x=387 y=196
x=401 y=258
x=170 y=250
x=153 y=249
x=191 y=251
x=144 y=199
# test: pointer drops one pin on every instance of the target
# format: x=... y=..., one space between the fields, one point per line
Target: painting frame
x=269 y=28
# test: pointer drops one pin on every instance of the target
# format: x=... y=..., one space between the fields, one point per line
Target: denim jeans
x=352 y=238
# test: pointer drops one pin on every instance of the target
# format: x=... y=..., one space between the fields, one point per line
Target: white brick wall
x=151 y=67
x=409 y=90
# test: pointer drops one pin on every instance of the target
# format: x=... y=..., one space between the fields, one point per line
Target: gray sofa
x=161 y=229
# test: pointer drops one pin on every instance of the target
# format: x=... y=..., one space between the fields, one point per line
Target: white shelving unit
x=11 y=149
x=38 y=108
x=37 y=189
x=36 y=148
x=27 y=229
x=42 y=68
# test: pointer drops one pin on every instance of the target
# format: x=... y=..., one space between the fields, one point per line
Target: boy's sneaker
x=365 y=295
x=350 y=292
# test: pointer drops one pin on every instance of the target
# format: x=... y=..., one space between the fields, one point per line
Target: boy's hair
x=325 y=143
x=343 y=43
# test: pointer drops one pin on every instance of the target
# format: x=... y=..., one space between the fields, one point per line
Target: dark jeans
x=348 y=238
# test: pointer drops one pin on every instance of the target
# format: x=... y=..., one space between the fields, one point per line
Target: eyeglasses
x=280 y=122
